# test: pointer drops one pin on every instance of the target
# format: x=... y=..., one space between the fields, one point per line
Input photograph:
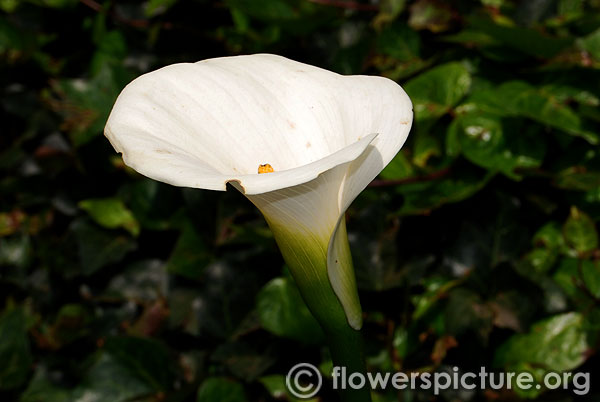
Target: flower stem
x=347 y=351
x=307 y=260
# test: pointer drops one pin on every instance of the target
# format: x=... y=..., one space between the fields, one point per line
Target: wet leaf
x=434 y=92
x=558 y=343
x=490 y=142
x=518 y=98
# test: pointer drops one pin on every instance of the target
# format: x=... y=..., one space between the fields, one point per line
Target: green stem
x=347 y=351
x=307 y=260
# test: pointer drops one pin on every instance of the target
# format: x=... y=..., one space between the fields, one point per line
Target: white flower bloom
x=324 y=135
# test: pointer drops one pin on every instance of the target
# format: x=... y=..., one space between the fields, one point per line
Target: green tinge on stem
x=306 y=255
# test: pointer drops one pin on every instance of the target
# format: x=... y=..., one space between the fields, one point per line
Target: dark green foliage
x=477 y=246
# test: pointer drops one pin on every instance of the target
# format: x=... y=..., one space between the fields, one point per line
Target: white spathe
x=213 y=122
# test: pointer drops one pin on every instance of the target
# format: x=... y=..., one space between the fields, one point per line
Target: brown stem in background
x=349 y=5
x=133 y=23
x=416 y=179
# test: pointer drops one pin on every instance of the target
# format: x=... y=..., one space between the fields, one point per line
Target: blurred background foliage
x=477 y=246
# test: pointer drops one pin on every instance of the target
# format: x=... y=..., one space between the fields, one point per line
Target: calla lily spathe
x=325 y=135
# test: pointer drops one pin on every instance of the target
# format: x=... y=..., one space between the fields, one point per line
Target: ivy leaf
x=14 y=349
x=98 y=248
x=190 y=256
x=111 y=213
x=283 y=312
x=220 y=389
x=580 y=232
x=519 y=98
x=525 y=40
x=435 y=91
x=557 y=343
x=108 y=380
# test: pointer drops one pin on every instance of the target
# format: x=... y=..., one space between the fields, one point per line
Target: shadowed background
x=477 y=246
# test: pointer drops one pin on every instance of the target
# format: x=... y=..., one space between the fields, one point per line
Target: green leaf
x=15 y=353
x=70 y=324
x=152 y=203
x=399 y=168
x=388 y=12
x=518 y=98
x=525 y=40
x=421 y=198
x=572 y=275
x=558 y=343
x=566 y=7
x=591 y=277
x=108 y=380
x=155 y=7
x=550 y=236
x=146 y=359
x=479 y=137
x=86 y=103
x=580 y=232
x=493 y=3
x=591 y=44
x=278 y=11
x=399 y=42
x=275 y=385
x=111 y=213
x=494 y=144
x=541 y=259
x=465 y=311
x=190 y=255
x=426 y=146
x=142 y=281
x=220 y=389
x=435 y=91
x=430 y=14
x=283 y=312
x=16 y=251
x=244 y=361
x=42 y=389
x=99 y=248
x=549 y=244
x=435 y=289
x=578 y=178
x=15 y=41
x=9 y=6
x=111 y=51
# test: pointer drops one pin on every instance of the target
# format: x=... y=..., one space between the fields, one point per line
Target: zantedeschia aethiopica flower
x=319 y=138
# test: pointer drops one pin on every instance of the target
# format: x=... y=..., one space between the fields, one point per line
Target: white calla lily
x=326 y=136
